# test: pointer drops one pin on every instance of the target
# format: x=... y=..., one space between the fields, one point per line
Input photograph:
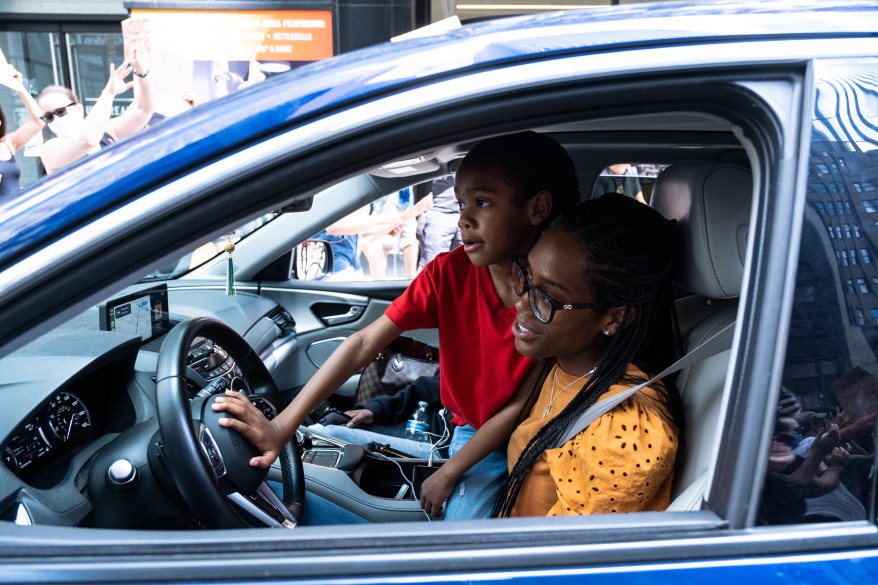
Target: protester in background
x=78 y=135
x=437 y=228
x=12 y=140
x=344 y=236
x=399 y=241
x=622 y=179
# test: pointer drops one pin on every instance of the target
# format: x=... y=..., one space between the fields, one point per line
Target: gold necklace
x=555 y=379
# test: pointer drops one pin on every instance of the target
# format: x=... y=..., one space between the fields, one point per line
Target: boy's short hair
x=531 y=162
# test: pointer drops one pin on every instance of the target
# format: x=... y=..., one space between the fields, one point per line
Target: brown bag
x=398 y=365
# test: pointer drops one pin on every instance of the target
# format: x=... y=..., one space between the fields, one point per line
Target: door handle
x=353 y=313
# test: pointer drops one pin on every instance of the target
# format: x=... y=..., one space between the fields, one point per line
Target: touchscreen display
x=141 y=314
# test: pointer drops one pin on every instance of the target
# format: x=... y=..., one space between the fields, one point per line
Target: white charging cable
x=405 y=479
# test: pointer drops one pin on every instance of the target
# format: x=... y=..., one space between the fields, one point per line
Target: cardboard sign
x=857 y=393
x=6 y=77
x=135 y=36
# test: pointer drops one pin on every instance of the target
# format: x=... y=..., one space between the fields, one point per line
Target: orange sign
x=240 y=35
x=199 y=55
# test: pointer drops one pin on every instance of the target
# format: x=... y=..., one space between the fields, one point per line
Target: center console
x=369 y=483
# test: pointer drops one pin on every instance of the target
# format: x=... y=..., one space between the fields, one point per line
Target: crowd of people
x=75 y=133
x=396 y=236
x=819 y=465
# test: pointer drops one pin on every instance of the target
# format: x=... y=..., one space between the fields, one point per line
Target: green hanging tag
x=229 y=247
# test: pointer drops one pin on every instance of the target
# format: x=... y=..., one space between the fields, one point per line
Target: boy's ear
x=540 y=207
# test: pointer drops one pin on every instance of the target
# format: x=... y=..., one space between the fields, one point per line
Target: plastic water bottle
x=418 y=426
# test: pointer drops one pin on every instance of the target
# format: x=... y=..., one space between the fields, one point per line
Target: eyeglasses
x=49 y=117
x=541 y=304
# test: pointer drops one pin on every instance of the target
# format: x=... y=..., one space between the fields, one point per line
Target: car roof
x=60 y=203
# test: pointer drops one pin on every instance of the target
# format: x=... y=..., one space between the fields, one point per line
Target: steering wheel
x=210 y=463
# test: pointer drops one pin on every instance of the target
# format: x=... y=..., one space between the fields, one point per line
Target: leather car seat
x=711 y=204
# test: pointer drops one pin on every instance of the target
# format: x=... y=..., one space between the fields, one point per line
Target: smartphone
x=334 y=417
x=420 y=473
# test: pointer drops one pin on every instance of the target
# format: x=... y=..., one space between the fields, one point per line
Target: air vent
x=284 y=321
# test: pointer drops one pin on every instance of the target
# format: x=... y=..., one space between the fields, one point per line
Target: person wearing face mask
x=78 y=135
x=13 y=140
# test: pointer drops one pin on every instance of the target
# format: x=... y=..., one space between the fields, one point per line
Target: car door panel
x=318 y=336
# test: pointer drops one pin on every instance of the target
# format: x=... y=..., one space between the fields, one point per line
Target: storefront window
x=90 y=55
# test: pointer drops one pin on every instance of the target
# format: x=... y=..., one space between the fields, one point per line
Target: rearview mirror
x=298 y=205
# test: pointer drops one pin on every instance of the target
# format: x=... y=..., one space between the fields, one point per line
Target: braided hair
x=530 y=162
x=629 y=249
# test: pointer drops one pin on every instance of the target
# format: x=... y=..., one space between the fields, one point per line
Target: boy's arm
x=494 y=433
x=270 y=436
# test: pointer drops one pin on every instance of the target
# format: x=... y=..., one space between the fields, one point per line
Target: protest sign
x=135 y=36
x=6 y=77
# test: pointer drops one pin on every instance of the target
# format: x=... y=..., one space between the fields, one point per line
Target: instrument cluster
x=65 y=421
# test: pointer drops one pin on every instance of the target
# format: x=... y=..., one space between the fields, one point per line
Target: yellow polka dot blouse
x=623 y=462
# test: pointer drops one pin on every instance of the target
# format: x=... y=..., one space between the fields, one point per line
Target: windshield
x=209 y=250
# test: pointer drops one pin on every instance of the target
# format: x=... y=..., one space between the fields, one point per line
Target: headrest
x=711 y=204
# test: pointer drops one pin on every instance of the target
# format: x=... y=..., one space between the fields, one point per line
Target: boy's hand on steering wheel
x=252 y=424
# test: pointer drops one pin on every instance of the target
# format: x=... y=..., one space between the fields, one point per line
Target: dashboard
x=98 y=384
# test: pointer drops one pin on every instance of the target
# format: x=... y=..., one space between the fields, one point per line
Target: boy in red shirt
x=509 y=188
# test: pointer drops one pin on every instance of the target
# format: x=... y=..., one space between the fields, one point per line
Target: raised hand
x=116 y=84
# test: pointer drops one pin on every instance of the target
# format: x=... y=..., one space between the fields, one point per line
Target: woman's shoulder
x=634 y=376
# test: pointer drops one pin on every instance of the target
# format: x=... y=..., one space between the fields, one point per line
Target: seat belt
x=720 y=341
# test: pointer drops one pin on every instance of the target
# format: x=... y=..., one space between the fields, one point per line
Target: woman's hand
x=359 y=416
x=116 y=84
x=17 y=78
x=435 y=491
x=252 y=424
x=139 y=64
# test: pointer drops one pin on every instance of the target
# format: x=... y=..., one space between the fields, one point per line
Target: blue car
x=756 y=125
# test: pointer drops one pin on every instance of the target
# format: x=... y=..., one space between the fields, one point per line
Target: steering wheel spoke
x=265 y=507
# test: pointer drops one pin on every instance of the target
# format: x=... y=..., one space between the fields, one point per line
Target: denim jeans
x=475 y=493
x=318 y=511
x=364 y=437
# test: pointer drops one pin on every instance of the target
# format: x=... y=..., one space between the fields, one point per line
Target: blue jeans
x=474 y=494
x=318 y=511
x=364 y=437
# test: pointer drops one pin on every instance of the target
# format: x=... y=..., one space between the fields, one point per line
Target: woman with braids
x=595 y=295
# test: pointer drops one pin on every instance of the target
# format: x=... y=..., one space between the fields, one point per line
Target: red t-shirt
x=479 y=367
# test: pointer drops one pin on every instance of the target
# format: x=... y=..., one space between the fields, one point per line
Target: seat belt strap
x=718 y=342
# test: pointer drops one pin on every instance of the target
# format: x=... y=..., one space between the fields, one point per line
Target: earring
x=607 y=331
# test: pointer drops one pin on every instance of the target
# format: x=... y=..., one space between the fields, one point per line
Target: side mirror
x=312 y=260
